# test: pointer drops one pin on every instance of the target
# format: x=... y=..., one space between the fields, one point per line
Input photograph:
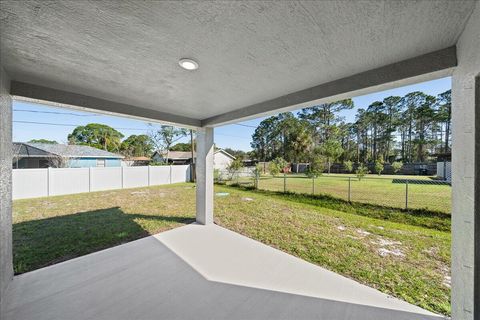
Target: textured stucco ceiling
x=127 y=51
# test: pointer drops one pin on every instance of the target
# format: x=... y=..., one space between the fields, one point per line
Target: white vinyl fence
x=444 y=172
x=33 y=183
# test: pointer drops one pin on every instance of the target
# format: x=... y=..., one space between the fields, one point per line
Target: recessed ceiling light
x=188 y=64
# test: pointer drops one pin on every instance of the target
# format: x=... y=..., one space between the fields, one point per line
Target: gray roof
x=62 y=150
x=183 y=155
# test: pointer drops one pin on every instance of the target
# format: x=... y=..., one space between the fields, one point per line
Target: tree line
x=412 y=128
x=104 y=137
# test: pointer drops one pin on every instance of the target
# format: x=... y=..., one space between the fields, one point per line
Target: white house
x=222 y=159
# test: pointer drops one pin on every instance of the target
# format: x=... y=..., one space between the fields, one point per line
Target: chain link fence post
x=284 y=182
x=406 y=194
x=313 y=185
x=349 y=189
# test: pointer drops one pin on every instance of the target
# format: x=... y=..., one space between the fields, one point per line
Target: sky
x=35 y=121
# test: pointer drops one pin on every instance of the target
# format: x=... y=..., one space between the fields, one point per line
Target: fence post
x=406 y=194
x=170 y=174
x=284 y=182
x=123 y=184
x=89 y=179
x=349 y=189
x=49 y=178
x=148 y=176
x=313 y=185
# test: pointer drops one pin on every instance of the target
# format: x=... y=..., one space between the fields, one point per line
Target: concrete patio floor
x=197 y=272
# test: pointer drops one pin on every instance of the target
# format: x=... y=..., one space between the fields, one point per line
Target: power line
x=57 y=112
x=68 y=125
x=228 y=135
x=244 y=125
x=77 y=125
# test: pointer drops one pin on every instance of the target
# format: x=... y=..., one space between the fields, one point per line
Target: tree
x=43 y=141
x=255 y=174
x=323 y=118
x=277 y=165
x=392 y=108
x=234 y=167
x=300 y=141
x=163 y=138
x=361 y=171
x=348 y=165
x=332 y=150
x=266 y=141
x=316 y=166
x=181 y=146
x=397 y=166
x=444 y=101
x=425 y=115
x=379 y=166
x=96 y=135
x=282 y=136
x=137 y=146
x=273 y=168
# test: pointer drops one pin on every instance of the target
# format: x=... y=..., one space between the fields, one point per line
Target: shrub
x=397 y=166
x=361 y=171
x=379 y=167
x=156 y=163
x=256 y=173
x=348 y=166
x=234 y=167
x=316 y=167
x=277 y=165
x=273 y=168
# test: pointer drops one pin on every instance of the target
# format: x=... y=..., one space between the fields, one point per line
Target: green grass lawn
x=374 y=189
x=403 y=254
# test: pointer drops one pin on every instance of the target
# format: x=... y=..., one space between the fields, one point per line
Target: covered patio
x=197 y=272
x=255 y=59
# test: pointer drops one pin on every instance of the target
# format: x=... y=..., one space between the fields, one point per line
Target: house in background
x=221 y=158
x=174 y=157
x=136 y=161
x=44 y=155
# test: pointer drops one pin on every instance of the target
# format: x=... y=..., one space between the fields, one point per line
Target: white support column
x=6 y=264
x=204 y=174
x=465 y=167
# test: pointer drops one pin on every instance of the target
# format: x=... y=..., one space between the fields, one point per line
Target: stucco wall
x=221 y=160
x=463 y=168
x=6 y=267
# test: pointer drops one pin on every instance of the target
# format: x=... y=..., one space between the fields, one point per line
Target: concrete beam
x=45 y=95
x=6 y=257
x=421 y=68
x=204 y=174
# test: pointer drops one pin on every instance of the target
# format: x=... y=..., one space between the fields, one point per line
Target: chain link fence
x=405 y=192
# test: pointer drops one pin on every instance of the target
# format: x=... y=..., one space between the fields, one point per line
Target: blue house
x=44 y=155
